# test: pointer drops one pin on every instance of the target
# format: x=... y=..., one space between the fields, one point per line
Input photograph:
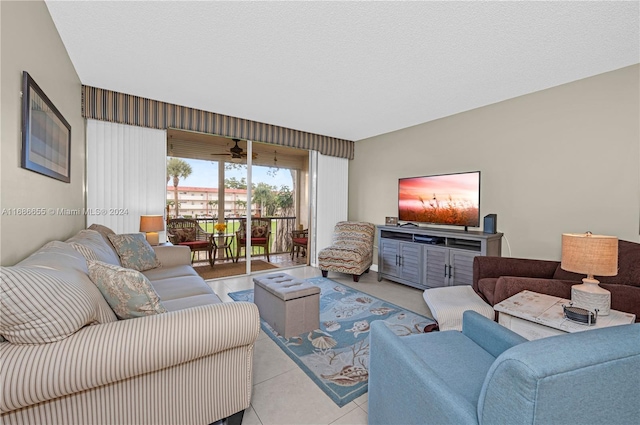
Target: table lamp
x=591 y=255
x=151 y=225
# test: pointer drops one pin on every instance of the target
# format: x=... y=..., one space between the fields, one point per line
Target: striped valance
x=107 y=105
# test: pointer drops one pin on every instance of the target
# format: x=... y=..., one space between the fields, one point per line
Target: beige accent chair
x=351 y=251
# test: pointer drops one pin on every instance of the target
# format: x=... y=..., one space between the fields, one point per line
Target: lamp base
x=591 y=296
x=153 y=238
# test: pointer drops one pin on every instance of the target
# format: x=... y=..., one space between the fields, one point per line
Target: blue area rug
x=336 y=356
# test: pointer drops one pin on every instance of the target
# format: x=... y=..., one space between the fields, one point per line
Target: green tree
x=177 y=169
x=241 y=206
x=212 y=205
x=235 y=166
x=169 y=205
x=285 y=201
x=264 y=195
x=234 y=183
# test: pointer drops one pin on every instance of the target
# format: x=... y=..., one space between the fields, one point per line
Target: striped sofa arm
x=170 y=256
x=102 y=354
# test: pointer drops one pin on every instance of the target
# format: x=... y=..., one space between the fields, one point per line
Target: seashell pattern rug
x=336 y=356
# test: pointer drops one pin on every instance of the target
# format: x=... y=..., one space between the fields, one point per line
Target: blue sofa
x=487 y=374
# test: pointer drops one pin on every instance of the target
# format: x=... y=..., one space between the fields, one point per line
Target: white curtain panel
x=126 y=175
x=330 y=182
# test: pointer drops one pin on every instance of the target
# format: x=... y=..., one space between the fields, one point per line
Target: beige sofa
x=191 y=365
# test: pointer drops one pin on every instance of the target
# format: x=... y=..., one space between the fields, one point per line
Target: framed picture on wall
x=46 y=135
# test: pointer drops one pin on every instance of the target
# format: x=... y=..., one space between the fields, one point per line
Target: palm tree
x=241 y=205
x=177 y=169
x=213 y=204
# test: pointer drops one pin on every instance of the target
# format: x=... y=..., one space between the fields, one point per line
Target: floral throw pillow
x=184 y=235
x=134 y=251
x=258 y=231
x=128 y=292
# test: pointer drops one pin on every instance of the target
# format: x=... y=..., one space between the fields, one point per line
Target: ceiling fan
x=236 y=152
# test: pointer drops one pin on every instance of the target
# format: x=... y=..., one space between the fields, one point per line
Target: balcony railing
x=281 y=228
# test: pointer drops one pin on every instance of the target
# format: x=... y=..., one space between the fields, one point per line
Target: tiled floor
x=282 y=392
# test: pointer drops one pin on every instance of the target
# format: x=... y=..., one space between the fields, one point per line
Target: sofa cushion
x=134 y=251
x=128 y=292
x=508 y=286
x=180 y=287
x=169 y=272
x=190 y=302
x=104 y=232
x=48 y=296
x=92 y=246
x=453 y=348
x=60 y=257
x=487 y=287
x=39 y=307
x=195 y=244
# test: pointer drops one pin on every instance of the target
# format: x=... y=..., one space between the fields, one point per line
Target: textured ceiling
x=345 y=69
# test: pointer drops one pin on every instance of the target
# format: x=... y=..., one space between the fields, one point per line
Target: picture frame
x=46 y=135
x=391 y=221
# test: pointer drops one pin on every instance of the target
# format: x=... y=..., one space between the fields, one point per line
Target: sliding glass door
x=235 y=185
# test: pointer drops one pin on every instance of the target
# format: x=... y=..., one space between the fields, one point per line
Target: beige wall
x=30 y=42
x=566 y=159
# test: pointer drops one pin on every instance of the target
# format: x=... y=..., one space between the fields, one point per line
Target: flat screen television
x=451 y=199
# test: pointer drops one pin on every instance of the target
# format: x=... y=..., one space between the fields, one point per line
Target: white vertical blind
x=330 y=182
x=126 y=175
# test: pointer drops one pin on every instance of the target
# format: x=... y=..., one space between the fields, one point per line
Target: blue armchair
x=488 y=374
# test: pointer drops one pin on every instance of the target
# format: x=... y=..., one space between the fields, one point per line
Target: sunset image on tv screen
x=452 y=199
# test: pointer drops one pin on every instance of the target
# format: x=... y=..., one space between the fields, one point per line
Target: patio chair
x=260 y=235
x=187 y=232
x=299 y=241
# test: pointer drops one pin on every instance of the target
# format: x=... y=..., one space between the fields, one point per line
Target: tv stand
x=427 y=257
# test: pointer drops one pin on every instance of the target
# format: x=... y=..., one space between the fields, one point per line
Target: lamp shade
x=589 y=254
x=151 y=223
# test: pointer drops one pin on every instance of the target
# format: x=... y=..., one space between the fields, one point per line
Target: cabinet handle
x=450 y=275
x=397 y=262
x=445 y=270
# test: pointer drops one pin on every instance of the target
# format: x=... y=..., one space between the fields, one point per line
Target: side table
x=535 y=316
x=221 y=242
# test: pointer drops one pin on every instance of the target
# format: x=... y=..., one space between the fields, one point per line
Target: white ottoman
x=290 y=306
x=447 y=305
